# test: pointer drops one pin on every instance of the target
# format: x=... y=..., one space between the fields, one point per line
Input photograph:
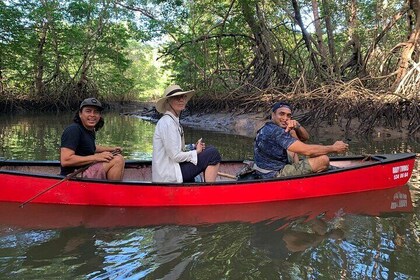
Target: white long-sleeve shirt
x=168 y=143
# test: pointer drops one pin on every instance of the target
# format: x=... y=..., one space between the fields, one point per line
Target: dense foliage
x=224 y=45
x=61 y=51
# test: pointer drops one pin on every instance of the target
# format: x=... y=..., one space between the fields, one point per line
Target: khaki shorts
x=301 y=168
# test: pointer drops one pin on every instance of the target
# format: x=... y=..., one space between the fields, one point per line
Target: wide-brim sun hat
x=171 y=91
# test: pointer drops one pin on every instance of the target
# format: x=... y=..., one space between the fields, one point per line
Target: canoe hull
x=391 y=201
x=391 y=171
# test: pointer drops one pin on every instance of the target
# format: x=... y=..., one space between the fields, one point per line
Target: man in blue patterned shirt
x=279 y=142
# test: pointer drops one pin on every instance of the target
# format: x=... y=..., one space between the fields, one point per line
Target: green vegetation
x=232 y=52
x=56 y=53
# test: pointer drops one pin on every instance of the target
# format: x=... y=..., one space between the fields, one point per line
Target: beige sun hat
x=172 y=90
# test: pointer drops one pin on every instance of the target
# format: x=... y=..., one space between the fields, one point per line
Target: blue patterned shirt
x=270 y=148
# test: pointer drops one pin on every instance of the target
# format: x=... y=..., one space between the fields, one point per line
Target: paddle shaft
x=69 y=176
x=226 y=175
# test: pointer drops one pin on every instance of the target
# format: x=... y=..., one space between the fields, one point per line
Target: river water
x=372 y=235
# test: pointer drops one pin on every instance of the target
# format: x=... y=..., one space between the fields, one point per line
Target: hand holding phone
x=200 y=145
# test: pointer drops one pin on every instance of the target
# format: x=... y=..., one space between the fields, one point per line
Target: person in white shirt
x=171 y=161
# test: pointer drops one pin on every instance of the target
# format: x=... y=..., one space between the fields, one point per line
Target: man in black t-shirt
x=78 y=147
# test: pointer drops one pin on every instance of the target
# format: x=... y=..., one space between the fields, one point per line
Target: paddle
x=69 y=176
x=226 y=175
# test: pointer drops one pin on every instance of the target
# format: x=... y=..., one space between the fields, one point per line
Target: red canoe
x=22 y=180
x=43 y=216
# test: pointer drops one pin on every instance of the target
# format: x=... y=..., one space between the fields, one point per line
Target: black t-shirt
x=77 y=138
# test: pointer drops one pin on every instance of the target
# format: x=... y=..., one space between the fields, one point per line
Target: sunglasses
x=179 y=97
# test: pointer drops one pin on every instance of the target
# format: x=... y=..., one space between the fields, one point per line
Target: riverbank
x=248 y=124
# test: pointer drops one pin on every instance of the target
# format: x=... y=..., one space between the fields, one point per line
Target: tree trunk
x=355 y=62
x=381 y=35
x=306 y=36
x=410 y=45
x=39 y=72
x=1 y=81
x=319 y=34
x=267 y=70
x=83 y=80
x=82 y=83
x=49 y=7
x=330 y=35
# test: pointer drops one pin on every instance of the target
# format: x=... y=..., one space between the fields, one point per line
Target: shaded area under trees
x=335 y=60
x=251 y=53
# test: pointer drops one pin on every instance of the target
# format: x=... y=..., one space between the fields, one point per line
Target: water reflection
x=37 y=136
x=40 y=216
x=331 y=235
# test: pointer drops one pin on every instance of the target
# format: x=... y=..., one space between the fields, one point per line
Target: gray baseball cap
x=91 y=102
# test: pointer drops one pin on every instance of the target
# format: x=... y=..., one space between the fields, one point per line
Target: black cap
x=279 y=105
x=91 y=102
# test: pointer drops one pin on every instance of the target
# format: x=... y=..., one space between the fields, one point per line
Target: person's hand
x=104 y=156
x=292 y=124
x=200 y=146
x=340 y=147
